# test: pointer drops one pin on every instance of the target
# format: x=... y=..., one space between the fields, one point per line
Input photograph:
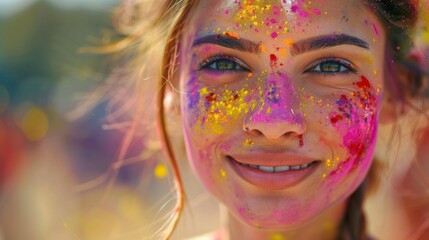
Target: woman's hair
x=149 y=28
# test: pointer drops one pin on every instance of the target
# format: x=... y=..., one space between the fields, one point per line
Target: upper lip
x=272 y=159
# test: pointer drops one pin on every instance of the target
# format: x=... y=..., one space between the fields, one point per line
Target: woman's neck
x=324 y=227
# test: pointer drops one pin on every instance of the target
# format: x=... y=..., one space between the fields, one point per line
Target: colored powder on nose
x=273 y=60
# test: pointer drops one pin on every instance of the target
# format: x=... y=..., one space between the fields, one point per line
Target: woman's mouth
x=274 y=173
x=278 y=169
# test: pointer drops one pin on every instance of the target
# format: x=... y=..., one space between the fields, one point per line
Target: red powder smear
x=344 y=97
x=301 y=141
x=211 y=97
x=364 y=83
x=233 y=35
x=273 y=60
x=336 y=118
x=316 y=11
x=294 y=8
x=274 y=34
x=375 y=29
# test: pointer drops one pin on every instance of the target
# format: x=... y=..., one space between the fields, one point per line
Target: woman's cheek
x=215 y=110
x=355 y=120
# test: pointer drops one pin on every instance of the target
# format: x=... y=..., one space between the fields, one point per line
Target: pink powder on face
x=294 y=8
x=316 y=11
x=360 y=129
x=274 y=35
x=375 y=29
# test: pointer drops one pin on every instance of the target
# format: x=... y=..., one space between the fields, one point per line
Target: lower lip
x=273 y=181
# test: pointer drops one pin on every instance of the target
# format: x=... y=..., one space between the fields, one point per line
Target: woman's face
x=280 y=103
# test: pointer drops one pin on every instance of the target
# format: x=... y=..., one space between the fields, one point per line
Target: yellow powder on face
x=248 y=142
x=277 y=236
x=222 y=109
x=332 y=164
x=223 y=172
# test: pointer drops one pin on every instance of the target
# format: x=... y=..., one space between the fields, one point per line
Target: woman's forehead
x=284 y=16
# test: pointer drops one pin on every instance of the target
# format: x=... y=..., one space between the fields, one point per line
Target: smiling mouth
x=275 y=169
x=278 y=169
x=278 y=176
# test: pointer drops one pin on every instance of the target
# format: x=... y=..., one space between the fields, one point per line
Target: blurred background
x=57 y=165
x=56 y=168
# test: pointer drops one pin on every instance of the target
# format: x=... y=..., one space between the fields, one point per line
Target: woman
x=280 y=103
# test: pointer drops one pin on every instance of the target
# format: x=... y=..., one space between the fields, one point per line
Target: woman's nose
x=275 y=125
x=279 y=115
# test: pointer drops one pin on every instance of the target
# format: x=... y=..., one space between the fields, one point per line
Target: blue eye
x=223 y=63
x=331 y=66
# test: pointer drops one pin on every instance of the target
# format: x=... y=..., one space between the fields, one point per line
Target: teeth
x=296 y=167
x=282 y=168
x=278 y=168
x=253 y=166
x=266 y=168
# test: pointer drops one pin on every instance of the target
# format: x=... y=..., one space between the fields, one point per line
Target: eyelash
x=207 y=63
x=345 y=66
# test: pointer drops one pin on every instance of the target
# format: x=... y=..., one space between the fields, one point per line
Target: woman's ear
x=403 y=80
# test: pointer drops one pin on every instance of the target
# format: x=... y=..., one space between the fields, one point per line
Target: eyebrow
x=326 y=41
x=297 y=48
x=230 y=42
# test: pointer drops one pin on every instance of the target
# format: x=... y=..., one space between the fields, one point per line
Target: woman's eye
x=332 y=66
x=223 y=63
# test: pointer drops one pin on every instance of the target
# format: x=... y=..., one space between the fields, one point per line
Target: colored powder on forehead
x=274 y=35
x=232 y=34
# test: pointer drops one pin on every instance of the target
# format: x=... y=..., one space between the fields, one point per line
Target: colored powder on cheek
x=211 y=97
x=334 y=119
x=364 y=83
x=316 y=11
x=219 y=110
x=375 y=29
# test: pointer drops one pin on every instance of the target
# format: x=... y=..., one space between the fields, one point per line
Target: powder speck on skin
x=273 y=60
x=375 y=29
x=232 y=34
x=301 y=140
x=274 y=35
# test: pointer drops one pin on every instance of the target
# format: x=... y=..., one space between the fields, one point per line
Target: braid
x=353 y=226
